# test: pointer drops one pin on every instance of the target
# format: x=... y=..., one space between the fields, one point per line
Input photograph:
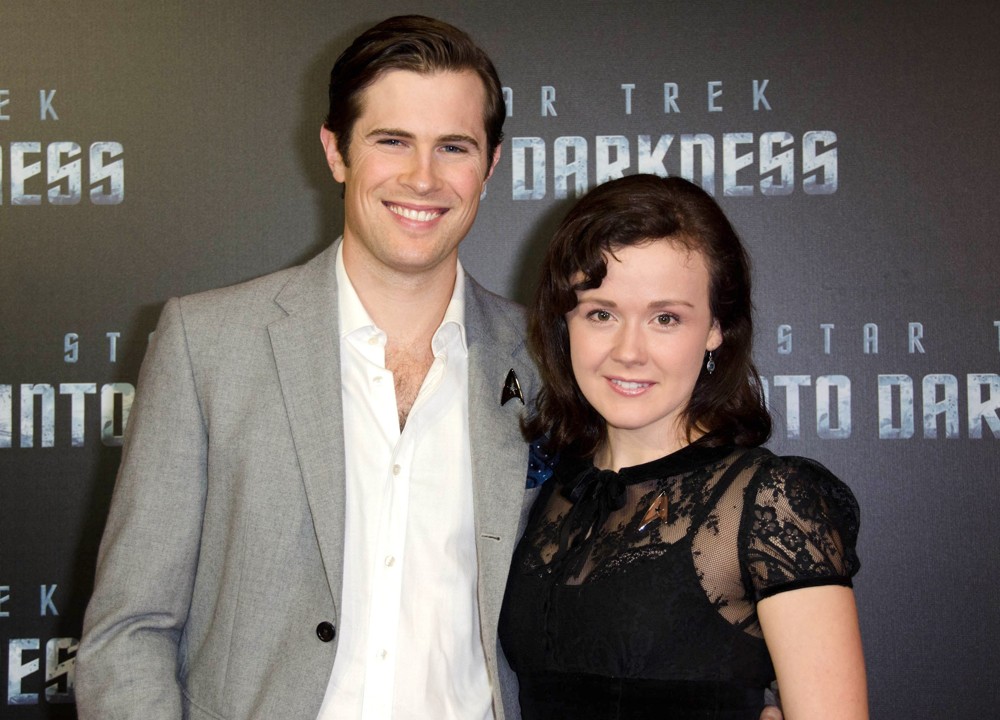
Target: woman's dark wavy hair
x=419 y=44
x=635 y=210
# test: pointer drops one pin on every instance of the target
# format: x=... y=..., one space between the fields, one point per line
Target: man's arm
x=127 y=665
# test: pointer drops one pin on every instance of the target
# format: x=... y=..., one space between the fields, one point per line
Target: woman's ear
x=714 y=336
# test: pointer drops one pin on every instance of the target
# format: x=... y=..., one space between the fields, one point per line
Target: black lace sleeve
x=799 y=528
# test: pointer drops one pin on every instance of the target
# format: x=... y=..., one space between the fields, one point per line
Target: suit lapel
x=306 y=349
x=499 y=453
x=307 y=354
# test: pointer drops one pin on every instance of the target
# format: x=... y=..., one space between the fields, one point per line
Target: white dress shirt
x=409 y=639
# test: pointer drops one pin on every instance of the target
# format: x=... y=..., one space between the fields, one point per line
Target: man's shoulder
x=493 y=309
x=256 y=300
x=264 y=288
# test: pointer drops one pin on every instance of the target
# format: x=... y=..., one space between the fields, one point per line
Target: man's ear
x=333 y=157
x=493 y=163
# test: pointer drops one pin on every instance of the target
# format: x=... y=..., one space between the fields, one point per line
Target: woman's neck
x=628 y=448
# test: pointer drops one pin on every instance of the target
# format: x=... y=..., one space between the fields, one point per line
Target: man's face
x=417 y=169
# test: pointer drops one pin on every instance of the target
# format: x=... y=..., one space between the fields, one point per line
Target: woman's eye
x=599 y=315
x=666 y=319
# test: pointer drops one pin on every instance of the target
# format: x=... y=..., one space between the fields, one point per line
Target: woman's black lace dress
x=633 y=594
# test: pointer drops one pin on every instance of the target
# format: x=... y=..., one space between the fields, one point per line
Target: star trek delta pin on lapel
x=511 y=389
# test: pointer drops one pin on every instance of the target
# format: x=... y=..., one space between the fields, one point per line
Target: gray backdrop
x=155 y=149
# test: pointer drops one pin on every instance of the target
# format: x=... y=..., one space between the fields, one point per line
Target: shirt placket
x=387 y=550
x=390 y=544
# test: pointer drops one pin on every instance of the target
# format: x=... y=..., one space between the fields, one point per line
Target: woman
x=669 y=559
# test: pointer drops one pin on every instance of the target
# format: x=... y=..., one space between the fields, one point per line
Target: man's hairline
x=362 y=91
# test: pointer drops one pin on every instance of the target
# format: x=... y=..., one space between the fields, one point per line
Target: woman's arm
x=813 y=637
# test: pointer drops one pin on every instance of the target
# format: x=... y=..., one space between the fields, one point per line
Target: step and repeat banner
x=149 y=150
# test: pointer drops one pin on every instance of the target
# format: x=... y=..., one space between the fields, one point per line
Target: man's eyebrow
x=452 y=138
x=390 y=132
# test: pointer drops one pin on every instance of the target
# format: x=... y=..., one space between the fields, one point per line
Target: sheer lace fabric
x=653 y=573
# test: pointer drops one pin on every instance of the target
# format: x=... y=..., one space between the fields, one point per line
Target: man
x=324 y=477
x=319 y=466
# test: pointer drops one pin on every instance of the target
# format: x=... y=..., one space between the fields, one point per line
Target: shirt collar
x=354 y=317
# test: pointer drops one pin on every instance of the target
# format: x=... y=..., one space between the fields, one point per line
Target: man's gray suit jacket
x=223 y=551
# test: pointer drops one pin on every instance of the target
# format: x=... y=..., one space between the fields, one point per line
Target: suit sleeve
x=127 y=664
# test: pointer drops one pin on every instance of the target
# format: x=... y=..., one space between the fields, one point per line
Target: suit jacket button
x=325 y=631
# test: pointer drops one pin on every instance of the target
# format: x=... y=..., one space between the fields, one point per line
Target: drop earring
x=482 y=195
x=710 y=363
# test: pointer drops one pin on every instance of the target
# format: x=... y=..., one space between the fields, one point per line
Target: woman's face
x=637 y=343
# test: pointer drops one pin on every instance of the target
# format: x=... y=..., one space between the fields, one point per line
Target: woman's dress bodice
x=633 y=594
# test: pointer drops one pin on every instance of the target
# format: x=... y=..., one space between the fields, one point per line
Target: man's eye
x=454 y=149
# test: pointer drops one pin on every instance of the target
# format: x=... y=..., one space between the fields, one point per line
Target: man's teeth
x=418 y=215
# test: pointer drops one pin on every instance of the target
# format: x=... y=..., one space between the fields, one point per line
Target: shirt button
x=396 y=469
x=390 y=561
x=377 y=379
x=382 y=654
x=325 y=631
x=373 y=340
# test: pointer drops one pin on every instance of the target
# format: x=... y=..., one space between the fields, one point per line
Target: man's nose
x=421 y=174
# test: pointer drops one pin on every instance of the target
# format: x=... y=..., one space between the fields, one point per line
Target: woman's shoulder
x=804 y=483
x=800 y=526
